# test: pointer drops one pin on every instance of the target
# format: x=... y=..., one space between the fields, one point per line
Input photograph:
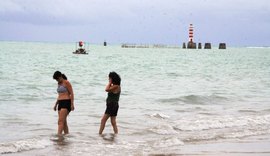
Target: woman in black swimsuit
x=114 y=89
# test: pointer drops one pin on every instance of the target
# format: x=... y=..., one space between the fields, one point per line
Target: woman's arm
x=56 y=103
x=111 y=88
x=70 y=91
x=107 y=89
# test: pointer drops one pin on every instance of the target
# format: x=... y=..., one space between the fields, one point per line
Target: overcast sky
x=236 y=22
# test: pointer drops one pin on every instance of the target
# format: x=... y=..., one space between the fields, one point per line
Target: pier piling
x=200 y=46
x=184 y=45
x=207 y=46
x=222 y=46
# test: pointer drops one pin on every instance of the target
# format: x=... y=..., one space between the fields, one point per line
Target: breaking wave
x=23 y=145
x=195 y=99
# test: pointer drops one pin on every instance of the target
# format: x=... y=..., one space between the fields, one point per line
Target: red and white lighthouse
x=190 y=32
x=191 y=43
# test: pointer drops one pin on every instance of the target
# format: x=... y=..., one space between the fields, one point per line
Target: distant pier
x=127 y=45
x=190 y=45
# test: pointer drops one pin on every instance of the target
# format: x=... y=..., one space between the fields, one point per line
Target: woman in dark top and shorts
x=114 y=89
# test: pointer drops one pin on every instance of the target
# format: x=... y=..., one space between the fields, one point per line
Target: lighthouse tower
x=190 y=32
x=191 y=44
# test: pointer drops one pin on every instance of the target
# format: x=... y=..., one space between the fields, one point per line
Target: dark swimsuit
x=63 y=103
x=112 y=104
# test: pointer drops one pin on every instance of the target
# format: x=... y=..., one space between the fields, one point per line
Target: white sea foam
x=167 y=142
x=24 y=145
x=160 y=115
x=223 y=127
x=203 y=123
x=163 y=129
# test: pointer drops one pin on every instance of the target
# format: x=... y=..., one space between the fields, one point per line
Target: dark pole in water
x=184 y=45
x=200 y=46
x=105 y=43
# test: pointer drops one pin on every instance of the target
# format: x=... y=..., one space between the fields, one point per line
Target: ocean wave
x=247 y=111
x=204 y=123
x=225 y=127
x=164 y=129
x=168 y=142
x=221 y=135
x=195 y=99
x=266 y=110
x=160 y=116
x=23 y=145
x=204 y=128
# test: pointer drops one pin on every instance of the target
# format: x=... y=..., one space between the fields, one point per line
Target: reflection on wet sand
x=60 y=139
x=109 y=137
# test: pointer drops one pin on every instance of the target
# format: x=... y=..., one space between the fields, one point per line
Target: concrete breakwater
x=190 y=45
x=148 y=46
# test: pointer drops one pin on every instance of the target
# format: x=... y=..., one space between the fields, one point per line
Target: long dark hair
x=58 y=74
x=116 y=79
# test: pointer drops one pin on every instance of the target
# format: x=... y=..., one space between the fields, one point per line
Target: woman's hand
x=72 y=107
x=107 y=89
x=54 y=108
x=110 y=81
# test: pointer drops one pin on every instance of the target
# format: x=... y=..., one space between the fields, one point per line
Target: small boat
x=80 y=51
x=82 y=48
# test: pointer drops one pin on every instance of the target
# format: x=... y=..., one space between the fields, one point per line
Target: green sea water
x=170 y=97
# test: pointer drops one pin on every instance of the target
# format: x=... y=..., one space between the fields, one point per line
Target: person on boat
x=114 y=89
x=80 y=43
x=65 y=101
x=81 y=50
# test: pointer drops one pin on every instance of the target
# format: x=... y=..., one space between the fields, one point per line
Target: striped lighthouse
x=190 y=32
x=191 y=44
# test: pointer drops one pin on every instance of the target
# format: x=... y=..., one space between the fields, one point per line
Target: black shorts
x=112 y=109
x=64 y=104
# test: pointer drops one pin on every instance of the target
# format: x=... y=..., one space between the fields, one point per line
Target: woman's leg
x=66 y=131
x=62 y=118
x=103 y=122
x=114 y=125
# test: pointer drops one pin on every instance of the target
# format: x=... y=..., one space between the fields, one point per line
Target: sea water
x=171 y=98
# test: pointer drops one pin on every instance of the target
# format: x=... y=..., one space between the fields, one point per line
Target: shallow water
x=171 y=98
